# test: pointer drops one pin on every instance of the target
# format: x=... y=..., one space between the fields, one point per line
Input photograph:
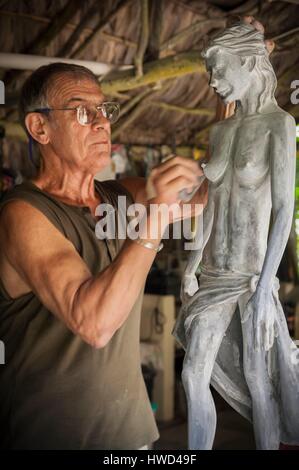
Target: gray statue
x=232 y=326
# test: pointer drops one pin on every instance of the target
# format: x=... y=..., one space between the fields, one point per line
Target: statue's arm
x=203 y=232
x=283 y=168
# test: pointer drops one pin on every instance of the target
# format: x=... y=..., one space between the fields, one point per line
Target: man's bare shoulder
x=16 y=212
x=23 y=225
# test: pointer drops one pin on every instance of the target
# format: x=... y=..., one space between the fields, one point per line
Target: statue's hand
x=189 y=286
x=261 y=308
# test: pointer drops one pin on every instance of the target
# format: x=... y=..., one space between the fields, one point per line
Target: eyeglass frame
x=97 y=107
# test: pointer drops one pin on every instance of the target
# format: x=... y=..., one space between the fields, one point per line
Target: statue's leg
x=265 y=412
x=207 y=331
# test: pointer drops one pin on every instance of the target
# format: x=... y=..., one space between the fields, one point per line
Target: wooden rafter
x=143 y=37
x=193 y=28
x=100 y=24
x=68 y=46
x=156 y=18
x=54 y=28
x=183 y=110
x=133 y=102
x=169 y=67
x=71 y=26
x=285 y=34
x=47 y=35
x=142 y=105
x=124 y=123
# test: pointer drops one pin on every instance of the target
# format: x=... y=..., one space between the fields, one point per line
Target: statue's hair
x=245 y=41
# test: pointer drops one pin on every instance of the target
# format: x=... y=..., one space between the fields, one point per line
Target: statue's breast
x=251 y=157
x=221 y=145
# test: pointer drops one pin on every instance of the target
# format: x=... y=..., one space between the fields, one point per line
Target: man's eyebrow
x=74 y=98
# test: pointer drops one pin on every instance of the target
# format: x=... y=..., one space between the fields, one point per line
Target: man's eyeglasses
x=86 y=114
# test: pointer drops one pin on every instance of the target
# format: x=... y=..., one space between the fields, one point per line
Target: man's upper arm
x=44 y=259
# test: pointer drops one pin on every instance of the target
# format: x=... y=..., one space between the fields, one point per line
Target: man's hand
x=270 y=45
x=262 y=309
x=167 y=180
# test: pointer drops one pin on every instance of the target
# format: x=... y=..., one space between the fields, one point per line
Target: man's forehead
x=67 y=88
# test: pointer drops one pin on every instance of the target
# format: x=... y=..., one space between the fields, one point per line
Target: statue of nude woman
x=232 y=326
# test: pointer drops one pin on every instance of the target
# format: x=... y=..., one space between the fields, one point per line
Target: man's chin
x=99 y=161
x=104 y=160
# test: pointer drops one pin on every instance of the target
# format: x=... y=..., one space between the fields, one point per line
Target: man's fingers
x=185 y=162
x=248 y=19
x=258 y=26
x=255 y=23
x=174 y=172
x=270 y=45
x=177 y=184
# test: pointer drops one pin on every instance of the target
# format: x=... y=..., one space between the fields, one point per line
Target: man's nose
x=100 y=122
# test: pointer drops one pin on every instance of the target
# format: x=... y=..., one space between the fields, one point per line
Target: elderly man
x=70 y=303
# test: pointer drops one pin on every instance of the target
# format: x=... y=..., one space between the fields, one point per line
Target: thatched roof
x=165 y=96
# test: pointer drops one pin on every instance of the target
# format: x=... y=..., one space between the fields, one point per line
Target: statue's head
x=237 y=60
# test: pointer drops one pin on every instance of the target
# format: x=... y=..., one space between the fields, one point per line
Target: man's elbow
x=90 y=327
x=100 y=341
x=94 y=336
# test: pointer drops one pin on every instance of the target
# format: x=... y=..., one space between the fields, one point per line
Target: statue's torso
x=239 y=194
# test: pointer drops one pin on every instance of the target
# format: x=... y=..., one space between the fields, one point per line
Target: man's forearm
x=103 y=302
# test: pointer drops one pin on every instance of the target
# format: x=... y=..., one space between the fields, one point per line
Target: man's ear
x=249 y=62
x=35 y=124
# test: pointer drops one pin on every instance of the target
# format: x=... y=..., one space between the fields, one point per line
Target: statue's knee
x=193 y=372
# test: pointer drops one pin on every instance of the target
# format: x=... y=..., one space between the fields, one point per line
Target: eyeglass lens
x=87 y=114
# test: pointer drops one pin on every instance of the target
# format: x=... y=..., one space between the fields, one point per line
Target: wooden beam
x=68 y=46
x=14 y=130
x=46 y=36
x=142 y=105
x=120 y=40
x=54 y=28
x=133 y=102
x=123 y=123
x=285 y=34
x=169 y=67
x=100 y=24
x=193 y=28
x=156 y=18
x=184 y=110
x=143 y=37
x=72 y=26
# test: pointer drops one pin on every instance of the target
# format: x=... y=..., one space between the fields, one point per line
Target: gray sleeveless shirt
x=56 y=391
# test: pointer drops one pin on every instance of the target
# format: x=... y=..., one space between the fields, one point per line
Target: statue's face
x=229 y=77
